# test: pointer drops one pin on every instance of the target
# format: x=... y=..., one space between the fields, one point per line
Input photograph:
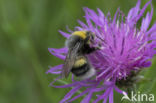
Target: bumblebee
x=76 y=62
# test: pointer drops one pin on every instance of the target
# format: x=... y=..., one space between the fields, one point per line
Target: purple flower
x=126 y=48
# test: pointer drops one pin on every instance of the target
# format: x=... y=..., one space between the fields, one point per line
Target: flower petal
x=142 y=11
x=87 y=98
x=69 y=94
x=63 y=86
x=111 y=96
x=118 y=90
x=66 y=35
x=82 y=24
x=100 y=97
x=146 y=21
x=133 y=12
x=54 y=70
x=151 y=30
x=81 y=94
x=58 y=52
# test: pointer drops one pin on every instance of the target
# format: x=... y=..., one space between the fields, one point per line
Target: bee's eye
x=88 y=33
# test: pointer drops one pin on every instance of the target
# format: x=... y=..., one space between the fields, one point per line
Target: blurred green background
x=27 y=29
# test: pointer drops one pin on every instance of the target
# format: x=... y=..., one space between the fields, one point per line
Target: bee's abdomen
x=81 y=70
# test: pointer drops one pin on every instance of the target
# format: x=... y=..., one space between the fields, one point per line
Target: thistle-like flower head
x=126 y=48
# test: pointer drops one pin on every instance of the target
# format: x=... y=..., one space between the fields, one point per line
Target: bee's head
x=90 y=35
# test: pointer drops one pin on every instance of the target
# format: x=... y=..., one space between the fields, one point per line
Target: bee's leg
x=92 y=50
x=88 y=49
x=99 y=47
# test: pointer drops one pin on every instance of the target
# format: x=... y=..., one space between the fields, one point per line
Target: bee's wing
x=70 y=60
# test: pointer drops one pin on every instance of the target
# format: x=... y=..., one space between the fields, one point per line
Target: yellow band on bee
x=80 y=62
x=82 y=34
